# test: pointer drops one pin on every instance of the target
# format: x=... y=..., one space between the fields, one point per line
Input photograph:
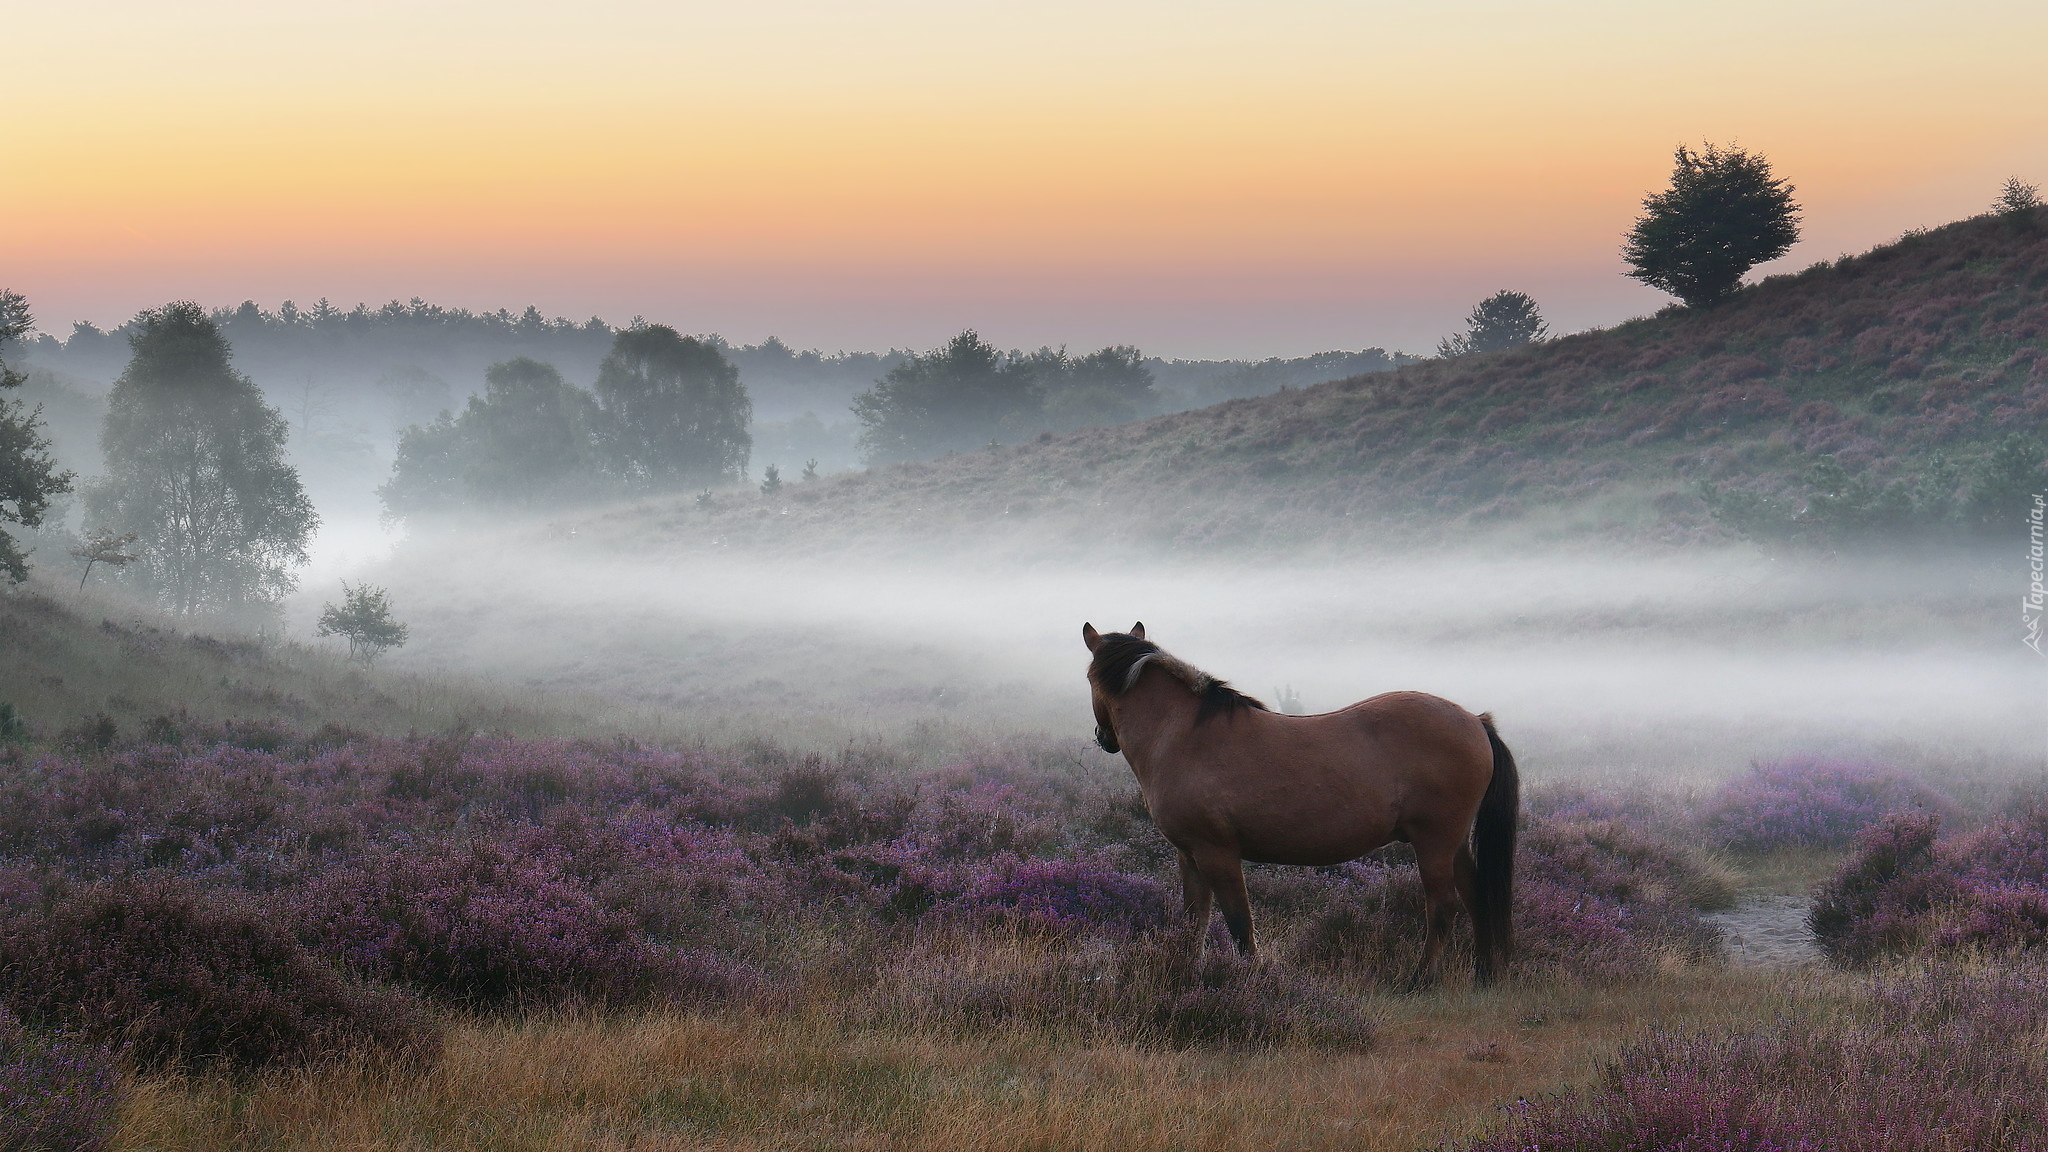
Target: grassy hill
x=1927 y=347
x=69 y=660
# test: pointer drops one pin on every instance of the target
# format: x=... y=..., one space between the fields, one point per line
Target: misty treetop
x=526 y=442
x=28 y=475
x=196 y=469
x=669 y=413
x=968 y=393
x=674 y=411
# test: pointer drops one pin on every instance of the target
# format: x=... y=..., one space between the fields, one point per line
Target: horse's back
x=1330 y=787
x=1415 y=718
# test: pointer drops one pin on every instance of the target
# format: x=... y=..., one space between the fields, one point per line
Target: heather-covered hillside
x=1906 y=364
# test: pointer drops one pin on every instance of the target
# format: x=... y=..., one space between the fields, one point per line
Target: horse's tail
x=1493 y=846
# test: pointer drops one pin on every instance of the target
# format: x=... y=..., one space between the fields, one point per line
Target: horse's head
x=1105 y=729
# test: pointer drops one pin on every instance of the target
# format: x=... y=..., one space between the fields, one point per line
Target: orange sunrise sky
x=1200 y=179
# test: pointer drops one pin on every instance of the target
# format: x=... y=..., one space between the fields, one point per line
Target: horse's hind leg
x=1439 y=864
x=1483 y=947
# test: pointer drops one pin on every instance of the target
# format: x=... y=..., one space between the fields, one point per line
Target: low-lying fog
x=1680 y=667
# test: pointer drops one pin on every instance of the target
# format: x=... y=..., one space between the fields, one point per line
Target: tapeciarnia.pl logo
x=2037 y=562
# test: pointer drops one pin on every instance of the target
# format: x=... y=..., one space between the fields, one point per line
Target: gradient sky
x=1199 y=178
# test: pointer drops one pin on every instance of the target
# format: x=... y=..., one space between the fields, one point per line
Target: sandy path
x=1767 y=932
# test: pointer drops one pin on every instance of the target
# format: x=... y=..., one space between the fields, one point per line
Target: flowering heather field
x=1813 y=802
x=54 y=1093
x=246 y=901
x=488 y=873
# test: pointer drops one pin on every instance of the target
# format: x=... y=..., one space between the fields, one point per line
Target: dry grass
x=1788 y=872
x=1445 y=1063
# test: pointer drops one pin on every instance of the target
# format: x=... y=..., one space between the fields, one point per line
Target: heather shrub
x=1623 y=863
x=1812 y=802
x=1063 y=897
x=478 y=924
x=1593 y=899
x=1876 y=901
x=1368 y=920
x=1907 y=891
x=173 y=972
x=1938 y=1062
x=677 y=881
x=56 y=1095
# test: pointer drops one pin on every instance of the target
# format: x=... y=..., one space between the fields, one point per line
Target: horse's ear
x=1091 y=637
x=1138 y=630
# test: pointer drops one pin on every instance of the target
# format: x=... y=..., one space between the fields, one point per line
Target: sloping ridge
x=1932 y=343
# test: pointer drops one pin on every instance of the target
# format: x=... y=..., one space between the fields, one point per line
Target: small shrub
x=1812 y=802
x=95 y=733
x=172 y=972
x=56 y=1095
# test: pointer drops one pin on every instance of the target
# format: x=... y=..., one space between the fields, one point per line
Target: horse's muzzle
x=1106 y=740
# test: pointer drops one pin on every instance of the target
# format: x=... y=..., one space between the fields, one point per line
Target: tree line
x=668 y=412
x=201 y=509
x=968 y=394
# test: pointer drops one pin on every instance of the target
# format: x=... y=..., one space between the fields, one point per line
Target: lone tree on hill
x=363 y=618
x=196 y=469
x=1723 y=215
x=1503 y=320
x=2017 y=201
x=28 y=477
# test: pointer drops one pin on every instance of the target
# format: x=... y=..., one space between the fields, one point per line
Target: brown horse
x=1228 y=781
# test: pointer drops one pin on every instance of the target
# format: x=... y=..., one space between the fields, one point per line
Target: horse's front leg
x=1222 y=871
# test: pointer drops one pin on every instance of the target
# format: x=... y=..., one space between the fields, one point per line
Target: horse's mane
x=1121 y=657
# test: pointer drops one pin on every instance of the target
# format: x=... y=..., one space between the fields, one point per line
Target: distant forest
x=350 y=380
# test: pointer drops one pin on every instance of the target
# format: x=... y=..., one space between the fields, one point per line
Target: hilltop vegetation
x=1913 y=360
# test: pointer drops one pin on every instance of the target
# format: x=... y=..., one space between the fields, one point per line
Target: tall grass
x=808 y=1080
